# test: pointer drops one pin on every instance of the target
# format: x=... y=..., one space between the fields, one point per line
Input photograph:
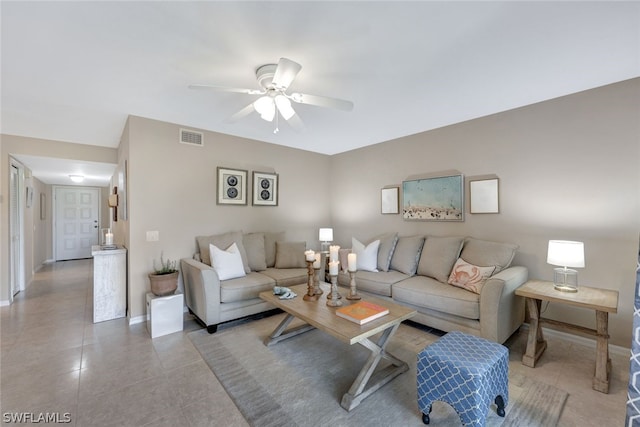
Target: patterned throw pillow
x=468 y=276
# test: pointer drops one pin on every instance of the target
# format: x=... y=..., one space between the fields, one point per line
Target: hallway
x=55 y=360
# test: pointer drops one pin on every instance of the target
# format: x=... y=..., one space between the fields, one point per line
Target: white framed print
x=390 y=200
x=483 y=196
x=265 y=189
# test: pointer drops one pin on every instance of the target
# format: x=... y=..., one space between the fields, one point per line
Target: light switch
x=153 y=236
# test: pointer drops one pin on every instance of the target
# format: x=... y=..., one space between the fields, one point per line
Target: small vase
x=163 y=284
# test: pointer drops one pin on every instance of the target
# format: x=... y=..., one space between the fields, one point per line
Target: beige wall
x=568 y=169
x=37 y=147
x=173 y=191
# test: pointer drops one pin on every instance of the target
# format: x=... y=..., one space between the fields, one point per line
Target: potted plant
x=164 y=279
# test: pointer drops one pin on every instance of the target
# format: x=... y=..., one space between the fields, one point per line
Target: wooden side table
x=603 y=301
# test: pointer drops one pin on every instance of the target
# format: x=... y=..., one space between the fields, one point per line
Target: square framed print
x=483 y=196
x=440 y=198
x=265 y=189
x=390 y=200
x=232 y=186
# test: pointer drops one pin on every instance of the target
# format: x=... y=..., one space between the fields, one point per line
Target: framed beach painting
x=439 y=198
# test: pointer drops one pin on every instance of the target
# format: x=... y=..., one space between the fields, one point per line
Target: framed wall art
x=265 y=189
x=390 y=200
x=483 y=196
x=232 y=186
x=440 y=198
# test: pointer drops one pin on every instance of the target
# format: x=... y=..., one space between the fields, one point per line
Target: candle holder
x=333 y=299
x=353 y=292
x=311 y=293
x=316 y=282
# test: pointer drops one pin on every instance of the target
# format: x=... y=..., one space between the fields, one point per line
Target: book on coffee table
x=362 y=312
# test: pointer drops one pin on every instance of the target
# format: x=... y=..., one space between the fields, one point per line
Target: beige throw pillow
x=290 y=254
x=222 y=241
x=438 y=256
x=406 y=254
x=254 y=246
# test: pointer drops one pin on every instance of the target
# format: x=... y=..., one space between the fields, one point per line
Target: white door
x=15 y=231
x=77 y=220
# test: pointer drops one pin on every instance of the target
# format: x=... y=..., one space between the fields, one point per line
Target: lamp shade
x=566 y=253
x=325 y=235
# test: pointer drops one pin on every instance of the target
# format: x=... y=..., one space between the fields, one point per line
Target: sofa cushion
x=270 y=239
x=366 y=256
x=426 y=292
x=406 y=254
x=287 y=276
x=222 y=241
x=228 y=262
x=438 y=256
x=486 y=253
x=290 y=254
x=245 y=288
x=380 y=283
x=468 y=276
x=343 y=257
x=256 y=255
x=388 y=243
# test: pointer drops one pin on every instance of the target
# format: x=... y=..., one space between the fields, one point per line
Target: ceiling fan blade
x=241 y=114
x=322 y=101
x=228 y=89
x=296 y=123
x=286 y=71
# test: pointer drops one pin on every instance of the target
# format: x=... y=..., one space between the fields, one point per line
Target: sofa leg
x=212 y=329
x=500 y=404
x=425 y=416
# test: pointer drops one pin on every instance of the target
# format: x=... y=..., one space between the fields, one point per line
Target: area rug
x=300 y=381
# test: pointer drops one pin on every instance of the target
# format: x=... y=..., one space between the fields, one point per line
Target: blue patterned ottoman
x=468 y=373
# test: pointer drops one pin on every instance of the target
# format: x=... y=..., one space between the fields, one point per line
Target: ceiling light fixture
x=265 y=107
x=77 y=178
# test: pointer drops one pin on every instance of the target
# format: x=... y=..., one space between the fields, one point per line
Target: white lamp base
x=565 y=280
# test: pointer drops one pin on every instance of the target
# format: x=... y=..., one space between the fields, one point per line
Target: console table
x=109 y=283
x=603 y=301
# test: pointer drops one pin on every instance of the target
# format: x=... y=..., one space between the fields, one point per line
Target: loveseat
x=417 y=271
x=219 y=293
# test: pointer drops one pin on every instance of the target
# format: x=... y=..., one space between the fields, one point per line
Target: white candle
x=333 y=252
x=316 y=264
x=310 y=255
x=352 y=262
x=108 y=239
x=333 y=268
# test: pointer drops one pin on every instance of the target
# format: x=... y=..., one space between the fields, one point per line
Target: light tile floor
x=54 y=360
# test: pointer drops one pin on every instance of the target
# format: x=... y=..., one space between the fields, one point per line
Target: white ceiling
x=73 y=71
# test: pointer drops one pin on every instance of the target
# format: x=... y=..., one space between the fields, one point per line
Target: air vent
x=191 y=137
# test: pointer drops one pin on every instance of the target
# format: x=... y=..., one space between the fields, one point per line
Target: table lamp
x=325 y=235
x=565 y=253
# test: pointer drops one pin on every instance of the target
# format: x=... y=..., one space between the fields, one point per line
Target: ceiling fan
x=274 y=101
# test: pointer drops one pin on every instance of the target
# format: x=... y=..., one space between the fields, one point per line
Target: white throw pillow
x=366 y=257
x=228 y=264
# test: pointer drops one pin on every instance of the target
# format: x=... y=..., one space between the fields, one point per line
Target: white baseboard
x=588 y=342
x=5 y=303
x=137 y=319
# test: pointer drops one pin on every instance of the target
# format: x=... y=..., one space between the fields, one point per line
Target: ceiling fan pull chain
x=276 y=130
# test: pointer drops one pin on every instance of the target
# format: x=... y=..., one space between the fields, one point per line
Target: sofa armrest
x=202 y=290
x=501 y=310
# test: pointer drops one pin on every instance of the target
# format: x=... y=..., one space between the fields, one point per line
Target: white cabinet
x=109 y=283
x=164 y=314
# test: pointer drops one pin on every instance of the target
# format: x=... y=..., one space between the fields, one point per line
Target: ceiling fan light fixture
x=265 y=107
x=284 y=107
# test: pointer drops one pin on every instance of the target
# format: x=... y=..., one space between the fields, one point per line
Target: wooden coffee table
x=317 y=315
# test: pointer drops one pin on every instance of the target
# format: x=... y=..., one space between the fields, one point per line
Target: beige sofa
x=268 y=261
x=415 y=271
